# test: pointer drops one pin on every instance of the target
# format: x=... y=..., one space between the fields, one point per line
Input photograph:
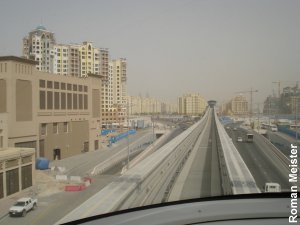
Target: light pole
x=128 y=150
x=127 y=137
x=153 y=133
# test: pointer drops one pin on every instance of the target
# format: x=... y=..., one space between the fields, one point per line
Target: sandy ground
x=46 y=184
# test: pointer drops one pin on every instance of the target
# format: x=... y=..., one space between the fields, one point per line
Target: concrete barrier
x=61 y=177
x=76 y=179
x=75 y=187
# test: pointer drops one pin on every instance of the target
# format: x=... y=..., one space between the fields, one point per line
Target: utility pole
x=128 y=150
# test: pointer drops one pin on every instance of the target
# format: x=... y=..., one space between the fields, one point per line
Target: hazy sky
x=214 y=47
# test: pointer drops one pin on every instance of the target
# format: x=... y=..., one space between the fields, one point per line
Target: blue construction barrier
x=107 y=131
x=121 y=136
x=225 y=120
x=286 y=130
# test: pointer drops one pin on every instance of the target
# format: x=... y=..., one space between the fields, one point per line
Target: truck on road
x=272 y=187
x=22 y=206
x=249 y=138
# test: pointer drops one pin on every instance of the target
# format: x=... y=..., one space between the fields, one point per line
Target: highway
x=282 y=142
x=257 y=160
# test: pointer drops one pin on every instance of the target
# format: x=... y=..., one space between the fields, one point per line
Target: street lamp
x=127 y=137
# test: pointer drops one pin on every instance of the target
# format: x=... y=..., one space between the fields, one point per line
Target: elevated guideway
x=201 y=161
x=146 y=182
x=214 y=167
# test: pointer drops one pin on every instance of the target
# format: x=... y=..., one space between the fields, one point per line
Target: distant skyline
x=213 y=47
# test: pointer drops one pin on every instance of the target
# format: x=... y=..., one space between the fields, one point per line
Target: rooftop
x=18 y=59
x=41 y=27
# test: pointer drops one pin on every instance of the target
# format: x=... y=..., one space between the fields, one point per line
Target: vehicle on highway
x=272 y=187
x=239 y=139
x=250 y=138
x=271 y=127
x=22 y=206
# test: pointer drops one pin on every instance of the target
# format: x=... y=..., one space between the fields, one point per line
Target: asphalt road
x=52 y=208
x=283 y=144
x=261 y=166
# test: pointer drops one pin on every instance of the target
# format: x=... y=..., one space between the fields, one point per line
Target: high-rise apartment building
x=90 y=59
x=65 y=59
x=114 y=102
x=38 y=46
x=80 y=60
x=191 y=104
x=237 y=106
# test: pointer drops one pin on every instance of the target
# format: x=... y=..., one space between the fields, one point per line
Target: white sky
x=214 y=47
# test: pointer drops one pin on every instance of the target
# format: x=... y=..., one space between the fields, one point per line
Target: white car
x=22 y=206
x=239 y=139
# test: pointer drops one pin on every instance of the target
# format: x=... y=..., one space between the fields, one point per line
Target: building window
x=42 y=100
x=74 y=87
x=55 y=128
x=69 y=98
x=56 y=85
x=43 y=129
x=74 y=101
x=49 y=100
x=85 y=102
x=56 y=100
x=49 y=84
x=63 y=86
x=66 y=127
x=80 y=101
x=42 y=84
x=63 y=100
x=69 y=87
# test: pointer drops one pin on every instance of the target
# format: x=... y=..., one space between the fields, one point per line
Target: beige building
x=237 y=106
x=191 y=104
x=80 y=59
x=89 y=58
x=146 y=105
x=59 y=116
x=38 y=46
x=114 y=102
x=17 y=166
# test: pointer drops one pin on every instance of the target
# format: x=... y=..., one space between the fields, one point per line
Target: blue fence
x=287 y=131
x=105 y=132
x=121 y=136
x=225 y=120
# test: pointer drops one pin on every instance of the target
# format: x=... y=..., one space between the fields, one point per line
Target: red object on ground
x=73 y=187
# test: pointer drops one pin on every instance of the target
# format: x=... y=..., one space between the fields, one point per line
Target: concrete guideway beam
x=241 y=179
x=136 y=181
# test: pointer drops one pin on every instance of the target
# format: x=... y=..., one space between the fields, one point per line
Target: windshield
x=19 y=204
x=111 y=105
